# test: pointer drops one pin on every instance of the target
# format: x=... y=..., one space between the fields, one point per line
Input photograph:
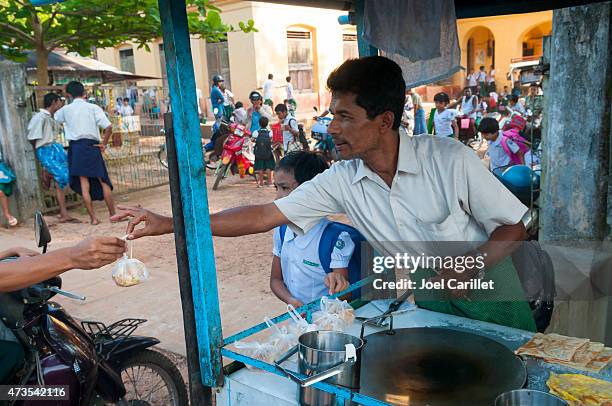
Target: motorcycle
x=90 y=362
x=324 y=141
x=211 y=151
x=237 y=155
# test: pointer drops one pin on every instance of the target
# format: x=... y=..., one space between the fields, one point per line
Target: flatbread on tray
x=583 y=356
x=553 y=347
x=580 y=390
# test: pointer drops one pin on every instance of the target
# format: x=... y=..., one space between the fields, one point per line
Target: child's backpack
x=263 y=145
x=326 y=245
x=517 y=122
x=513 y=134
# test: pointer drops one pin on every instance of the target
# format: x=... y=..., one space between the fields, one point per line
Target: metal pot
x=325 y=355
x=528 y=397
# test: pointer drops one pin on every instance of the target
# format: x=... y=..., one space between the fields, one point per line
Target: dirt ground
x=243 y=268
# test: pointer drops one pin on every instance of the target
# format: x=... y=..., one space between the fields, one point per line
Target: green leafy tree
x=81 y=25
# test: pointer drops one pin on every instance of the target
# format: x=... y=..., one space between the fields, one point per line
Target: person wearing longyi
x=395 y=188
x=88 y=175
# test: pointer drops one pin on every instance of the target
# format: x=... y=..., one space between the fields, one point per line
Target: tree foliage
x=81 y=25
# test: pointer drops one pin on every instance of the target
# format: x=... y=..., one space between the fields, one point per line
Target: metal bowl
x=528 y=397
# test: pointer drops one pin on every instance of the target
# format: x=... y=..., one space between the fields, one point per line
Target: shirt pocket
x=449 y=229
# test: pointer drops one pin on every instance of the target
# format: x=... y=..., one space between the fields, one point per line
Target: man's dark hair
x=488 y=125
x=75 y=89
x=441 y=98
x=305 y=165
x=288 y=78
x=49 y=99
x=263 y=122
x=482 y=67
x=514 y=98
x=126 y=99
x=280 y=108
x=270 y=76
x=377 y=83
x=239 y=105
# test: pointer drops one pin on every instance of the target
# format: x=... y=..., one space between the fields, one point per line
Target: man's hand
x=295 y=303
x=24 y=252
x=95 y=252
x=101 y=146
x=155 y=224
x=335 y=282
x=449 y=273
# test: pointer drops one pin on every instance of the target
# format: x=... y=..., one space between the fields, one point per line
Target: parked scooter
x=97 y=364
x=324 y=141
x=237 y=155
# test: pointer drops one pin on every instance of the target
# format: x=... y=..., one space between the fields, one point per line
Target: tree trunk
x=42 y=66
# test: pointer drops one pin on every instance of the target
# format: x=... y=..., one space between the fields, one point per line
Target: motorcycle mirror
x=41 y=231
x=316 y=109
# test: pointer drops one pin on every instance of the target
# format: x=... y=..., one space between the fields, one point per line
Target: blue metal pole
x=365 y=49
x=192 y=178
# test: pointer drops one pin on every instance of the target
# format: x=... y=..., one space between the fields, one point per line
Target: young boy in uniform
x=444 y=118
x=498 y=157
x=264 y=160
x=297 y=275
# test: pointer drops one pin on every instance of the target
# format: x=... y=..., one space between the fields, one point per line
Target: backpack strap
x=328 y=241
x=282 y=230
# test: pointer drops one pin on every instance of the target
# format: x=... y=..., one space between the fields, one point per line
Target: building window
x=349 y=46
x=162 y=64
x=299 y=52
x=217 y=61
x=126 y=60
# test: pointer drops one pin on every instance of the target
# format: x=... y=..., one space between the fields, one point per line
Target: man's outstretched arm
x=227 y=223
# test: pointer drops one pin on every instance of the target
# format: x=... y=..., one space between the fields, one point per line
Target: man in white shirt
x=396 y=189
x=42 y=130
x=267 y=90
x=472 y=80
x=88 y=175
x=290 y=95
x=491 y=81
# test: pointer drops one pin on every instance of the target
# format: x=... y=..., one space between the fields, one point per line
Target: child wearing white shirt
x=297 y=275
x=445 y=124
x=498 y=157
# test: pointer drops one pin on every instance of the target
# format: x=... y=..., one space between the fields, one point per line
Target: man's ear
x=386 y=121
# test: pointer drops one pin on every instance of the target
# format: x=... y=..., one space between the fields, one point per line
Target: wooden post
x=16 y=150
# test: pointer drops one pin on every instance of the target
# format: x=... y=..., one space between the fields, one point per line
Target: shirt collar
x=302 y=241
x=406 y=160
x=45 y=111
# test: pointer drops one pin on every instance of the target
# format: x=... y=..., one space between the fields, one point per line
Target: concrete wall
x=17 y=152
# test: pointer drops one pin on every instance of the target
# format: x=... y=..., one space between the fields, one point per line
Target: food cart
x=197 y=274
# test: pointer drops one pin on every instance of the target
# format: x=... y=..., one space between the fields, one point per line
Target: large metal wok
x=438 y=367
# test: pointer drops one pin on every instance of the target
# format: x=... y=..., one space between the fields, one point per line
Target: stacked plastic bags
x=334 y=314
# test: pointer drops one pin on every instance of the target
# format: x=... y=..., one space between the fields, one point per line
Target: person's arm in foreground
x=18 y=252
x=277 y=284
x=455 y=129
x=91 y=253
x=227 y=223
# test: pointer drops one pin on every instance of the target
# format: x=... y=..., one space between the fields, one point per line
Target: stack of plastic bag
x=282 y=338
x=301 y=325
x=265 y=351
x=334 y=314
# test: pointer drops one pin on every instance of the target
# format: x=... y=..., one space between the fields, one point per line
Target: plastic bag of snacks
x=281 y=338
x=129 y=271
x=301 y=325
x=265 y=351
x=335 y=314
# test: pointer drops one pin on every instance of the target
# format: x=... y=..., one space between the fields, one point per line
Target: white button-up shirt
x=42 y=128
x=82 y=120
x=440 y=192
